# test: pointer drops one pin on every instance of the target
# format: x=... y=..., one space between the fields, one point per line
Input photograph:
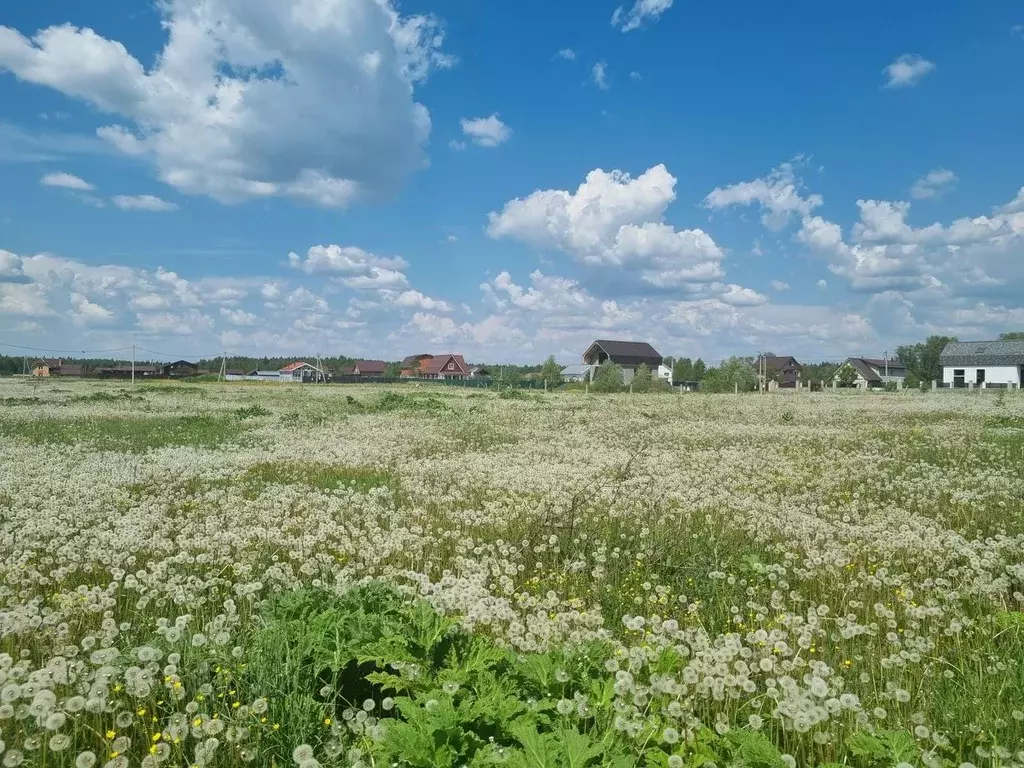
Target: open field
x=201 y=574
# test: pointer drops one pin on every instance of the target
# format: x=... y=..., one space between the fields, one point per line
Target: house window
x=451 y=366
x=979 y=376
x=958 y=377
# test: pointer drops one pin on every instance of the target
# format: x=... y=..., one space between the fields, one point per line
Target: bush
x=608 y=378
x=642 y=380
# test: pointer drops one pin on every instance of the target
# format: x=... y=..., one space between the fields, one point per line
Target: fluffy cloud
x=66 y=181
x=414 y=299
x=643 y=11
x=907 y=70
x=23 y=299
x=10 y=266
x=85 y=312
x=486 y=131
x=1014 y=206
x=778 y=194
x=934 y=184
x=566 y=53
x=347 y=260
x=599 y=74
x=969 y=257
x=779 y=285
x=376 y=278
x=238 y=316
x=142 y=203
x=189 y=323
x=256 y=99
x=613 y=220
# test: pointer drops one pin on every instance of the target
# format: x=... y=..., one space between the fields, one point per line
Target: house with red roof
x=444 y=366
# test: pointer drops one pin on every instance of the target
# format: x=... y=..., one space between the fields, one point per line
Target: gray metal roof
x=982 y=353
x=575 y=370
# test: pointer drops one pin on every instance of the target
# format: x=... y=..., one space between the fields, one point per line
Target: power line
x=65 y=351
x=180 y=356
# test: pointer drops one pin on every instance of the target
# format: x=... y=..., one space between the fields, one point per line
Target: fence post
x=935 y=384
x=970 y=386
x=736 y=387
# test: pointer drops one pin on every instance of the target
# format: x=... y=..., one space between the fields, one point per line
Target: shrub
x=642 y=381
x=608 y=378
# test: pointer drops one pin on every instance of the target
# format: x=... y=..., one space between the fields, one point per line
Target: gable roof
x=437 y=364
x=779 y=362
x=408 y=362
x=1010 y=352
x=628 y=352
x=369 y=366
x=294 y=366
x=49 y=362
x=869 y=367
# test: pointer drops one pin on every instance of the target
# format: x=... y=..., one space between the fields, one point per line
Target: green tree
x=392 y=370
x=608 y=378
x=1011 y=336
x=682 y=370
x=734 y=373
x=642 y=380
x=700 y=370
x=551 y=373
x=922 y=359
x=846 y=376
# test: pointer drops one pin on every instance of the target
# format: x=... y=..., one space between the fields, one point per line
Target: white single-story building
x=983 y=363
x=663 y=372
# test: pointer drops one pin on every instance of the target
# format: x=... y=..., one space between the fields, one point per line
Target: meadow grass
x=213 y=574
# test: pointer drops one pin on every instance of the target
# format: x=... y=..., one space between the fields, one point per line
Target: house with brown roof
x=445 y=366
x=629 y=355
x=412 y=365
x=50 y=366
x=367 y=368
x=180 y=368
x=780 y=371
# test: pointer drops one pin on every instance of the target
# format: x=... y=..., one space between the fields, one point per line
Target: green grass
x=129 y=435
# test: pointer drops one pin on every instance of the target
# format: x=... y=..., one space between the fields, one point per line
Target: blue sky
x=509 y=180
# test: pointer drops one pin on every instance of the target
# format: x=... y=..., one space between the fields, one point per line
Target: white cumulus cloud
x=486 y=131
x=907 y=70
x=933 y=184
x=778 y=194
x=345 y=260
x=311 y=100
x=599 y=74
x=85 y=312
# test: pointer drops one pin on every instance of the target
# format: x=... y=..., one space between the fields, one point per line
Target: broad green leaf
x=578 y=748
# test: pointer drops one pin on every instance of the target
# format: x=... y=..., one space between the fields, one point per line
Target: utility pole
x=223 y=366
x=885 y=356
x=133 y=363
